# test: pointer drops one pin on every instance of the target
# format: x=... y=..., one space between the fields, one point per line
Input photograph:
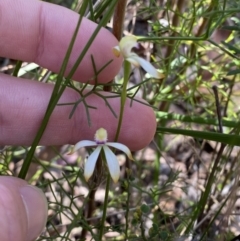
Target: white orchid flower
x=125 y=46
x=102 y=144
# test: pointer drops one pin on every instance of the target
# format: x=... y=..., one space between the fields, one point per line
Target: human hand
x=36 y=31
x=23 y=210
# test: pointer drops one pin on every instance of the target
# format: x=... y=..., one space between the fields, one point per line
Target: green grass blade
x=195 y=119
x=229 y=139
x=56 y=94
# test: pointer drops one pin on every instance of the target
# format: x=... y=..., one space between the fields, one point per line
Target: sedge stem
x=127 y=70
x=105 y=205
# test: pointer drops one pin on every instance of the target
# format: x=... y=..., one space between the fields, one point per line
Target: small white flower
x=102 y=144
x=125 y=46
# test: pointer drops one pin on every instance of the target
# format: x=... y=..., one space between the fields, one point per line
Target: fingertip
x=98 y=60
x=139 y=125
x=98 y=55
x=44 y=32
x=36 y=208
x=137 y=131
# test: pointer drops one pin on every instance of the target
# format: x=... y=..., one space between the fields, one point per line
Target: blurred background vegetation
x=185 y=184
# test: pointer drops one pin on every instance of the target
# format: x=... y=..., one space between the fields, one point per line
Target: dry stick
x=224 y=114
x=219 y=154
x=170 y=48
x=118 y=19
x=218 y=108
x=193 y=49
x=232 y=198
x=118 y=24
x=232 y=195
x=201 y=29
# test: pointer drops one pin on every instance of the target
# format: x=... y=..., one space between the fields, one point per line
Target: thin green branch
x=195 y=119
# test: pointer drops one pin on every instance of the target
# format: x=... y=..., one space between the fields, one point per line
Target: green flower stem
x=127 y=188
x=127 y=71
x=105 y=205
x=17 y=68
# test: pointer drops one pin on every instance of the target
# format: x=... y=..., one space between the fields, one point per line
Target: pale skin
x=39 y=32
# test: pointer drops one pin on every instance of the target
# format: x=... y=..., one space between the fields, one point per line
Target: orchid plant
x=125 y=49
x=102 y=145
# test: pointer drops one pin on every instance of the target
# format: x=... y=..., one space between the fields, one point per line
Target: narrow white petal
x=148 y=67
x=121 y=147
x=91 y=163
x=81 y=144
x=133 y=60
x=112 y=163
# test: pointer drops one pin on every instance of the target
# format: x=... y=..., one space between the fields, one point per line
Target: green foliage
x=194 y=54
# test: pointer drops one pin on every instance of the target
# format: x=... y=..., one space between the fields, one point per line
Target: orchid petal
x=81 y=144
x=112 y=163
x=126 y=44
x=91 y=163
x=121 y=147
x=148 y=67
x=133 y=59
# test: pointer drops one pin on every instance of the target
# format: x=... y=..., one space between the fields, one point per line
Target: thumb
x=23 y=210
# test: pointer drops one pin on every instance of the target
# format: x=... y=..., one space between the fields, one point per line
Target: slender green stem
x=59 y=88
x=142 y=229
x=171 y=47
x=27 y=162
x=229 y=139
x=127 y=204
x=195 y=119
x=127 y=70
x=198 y=212
x=105 y=205
x=17 y=68
x=56 y=94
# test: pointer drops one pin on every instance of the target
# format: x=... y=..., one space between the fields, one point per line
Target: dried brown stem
x=118 y=24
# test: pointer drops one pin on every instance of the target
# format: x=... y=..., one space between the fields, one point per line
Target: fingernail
x=36 y=208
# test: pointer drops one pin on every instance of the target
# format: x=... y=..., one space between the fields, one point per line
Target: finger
x=23 y=104
x=36 y=31
x=23 y=210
